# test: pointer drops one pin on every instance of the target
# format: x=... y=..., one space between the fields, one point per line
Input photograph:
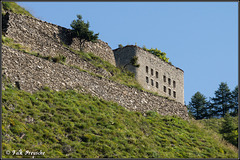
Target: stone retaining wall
x=32 y=73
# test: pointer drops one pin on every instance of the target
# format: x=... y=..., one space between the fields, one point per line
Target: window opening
x=174 y=94
x=169 y=81
x=147 y=69
x=147 y=79
x=169 y=92
x=152 y=82
x=164 y=78
x=157 y=84
x=174 y=84
x=164 y=88
x=156 y=74
x=152 y=72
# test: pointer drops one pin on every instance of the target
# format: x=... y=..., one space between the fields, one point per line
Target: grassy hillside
x=72 y=124
x=15 y=8
x=216 y=125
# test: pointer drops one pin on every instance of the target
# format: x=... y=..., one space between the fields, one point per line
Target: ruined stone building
x=153 y=73
x=31 y=72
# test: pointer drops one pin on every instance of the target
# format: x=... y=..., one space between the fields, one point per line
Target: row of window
x=164 y=77
x=169 y=81
x=169 y=91
x=164 y=87
x=151 y=71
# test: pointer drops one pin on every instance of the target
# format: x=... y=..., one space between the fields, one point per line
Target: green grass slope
x=15 y=8
x=216 y=124
x=68 y=124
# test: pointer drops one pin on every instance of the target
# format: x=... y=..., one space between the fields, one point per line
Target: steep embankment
x=73 y=123
x=77 y=125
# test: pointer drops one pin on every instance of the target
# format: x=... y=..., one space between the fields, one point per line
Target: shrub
x=120 y=46
x=56 y=59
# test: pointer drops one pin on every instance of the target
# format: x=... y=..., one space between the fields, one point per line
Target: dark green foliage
x=80 y=30
x=15 y=8
x=229 y=130
x=158 y=53
x=222 y=100
x=133 y=62
x=197 y=106
x=228 y=124
x=69 y=124
x=234 y=102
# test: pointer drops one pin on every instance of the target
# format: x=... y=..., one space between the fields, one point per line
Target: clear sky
x=199 y=37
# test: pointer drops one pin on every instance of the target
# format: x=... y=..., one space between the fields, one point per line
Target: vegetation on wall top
x=158 y=53
x=15 y=8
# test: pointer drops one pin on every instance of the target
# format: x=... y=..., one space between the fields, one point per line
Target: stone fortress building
x=31 y=73
x=153 y=73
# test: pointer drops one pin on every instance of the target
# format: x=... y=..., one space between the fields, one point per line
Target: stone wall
x=32 y=73
x=47 y=38
x=152 y=71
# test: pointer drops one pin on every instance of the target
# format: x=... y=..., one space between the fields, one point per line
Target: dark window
x=164 y=88
x=152 y=82
x=174 y=94
x=151 y=71
x=147 y=69
x=147 y=79
x=164 y=78
x=157 y=84
x=169 y=81
x=174 y=84
x=169 y=92
x=156 y=74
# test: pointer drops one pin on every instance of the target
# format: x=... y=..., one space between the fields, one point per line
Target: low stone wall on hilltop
x=47 y=38
x=32 y=73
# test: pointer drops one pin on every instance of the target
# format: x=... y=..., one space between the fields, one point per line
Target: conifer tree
x=234 y=102
x=197 y=106
x=80 y=30
x=222 y=100
x=229 y=130
x=228 y=125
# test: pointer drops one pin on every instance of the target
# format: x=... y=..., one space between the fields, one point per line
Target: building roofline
x=134 y=46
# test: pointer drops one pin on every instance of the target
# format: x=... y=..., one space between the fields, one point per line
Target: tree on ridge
x=80 y=30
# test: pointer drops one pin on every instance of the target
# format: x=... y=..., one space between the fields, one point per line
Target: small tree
x=133 y=62
x=80 y=30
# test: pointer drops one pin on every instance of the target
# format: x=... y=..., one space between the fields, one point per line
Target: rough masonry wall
x=32 y=73
x=47 y=38
x=124 y=56
x=160 y=68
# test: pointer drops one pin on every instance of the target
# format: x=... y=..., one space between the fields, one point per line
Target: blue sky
x=199 y=37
